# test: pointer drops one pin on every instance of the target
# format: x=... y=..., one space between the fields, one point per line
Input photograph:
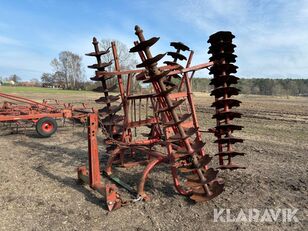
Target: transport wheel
x=46 y=126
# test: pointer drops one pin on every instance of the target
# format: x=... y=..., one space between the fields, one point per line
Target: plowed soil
x=38 y=189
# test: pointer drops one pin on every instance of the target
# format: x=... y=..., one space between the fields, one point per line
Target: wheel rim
x=47 y=127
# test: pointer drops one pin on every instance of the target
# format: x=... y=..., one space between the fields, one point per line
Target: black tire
x=45 y=127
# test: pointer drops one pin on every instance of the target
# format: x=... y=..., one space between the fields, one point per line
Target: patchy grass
x=19 y=89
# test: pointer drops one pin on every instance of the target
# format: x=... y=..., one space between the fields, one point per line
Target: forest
x=261 y=86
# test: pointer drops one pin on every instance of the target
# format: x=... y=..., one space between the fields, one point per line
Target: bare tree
x=14 y=78
x=68 y=70
x=127 y=60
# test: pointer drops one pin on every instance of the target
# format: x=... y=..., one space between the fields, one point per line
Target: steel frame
x=171 y=128
x=18 y=108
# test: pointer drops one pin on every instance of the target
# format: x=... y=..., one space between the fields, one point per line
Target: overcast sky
x=271 y=35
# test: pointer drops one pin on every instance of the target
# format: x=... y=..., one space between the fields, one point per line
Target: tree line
x=68 y=72
x=261 y=86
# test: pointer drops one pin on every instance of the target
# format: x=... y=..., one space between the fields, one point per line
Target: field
x=38 y=189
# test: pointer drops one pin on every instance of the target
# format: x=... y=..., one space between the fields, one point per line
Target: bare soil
x=38 y=189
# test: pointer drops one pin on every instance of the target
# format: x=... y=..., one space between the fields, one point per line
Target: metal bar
x=184 y=70
x=94 y=169
x=24 y=100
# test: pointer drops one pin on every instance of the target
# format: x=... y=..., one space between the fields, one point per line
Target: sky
x=271 y=35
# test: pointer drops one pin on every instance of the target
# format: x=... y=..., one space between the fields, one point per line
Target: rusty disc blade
x=221 y=47
x=224 y=79
x=108 y=89
x=227 y=114
x=141 y=76
x=169 y=84
x=108 y=99
x=196 y=146
x=144 y=44
x=151 y=61
x=179 y=46
x=228 y=140
x=101 y=66
x=176 y=55
x=162 y=93
x=229 y=102
x=230 y=167
x=181 y=120
x=115 y=119
x=199 y=195
x=222 y=91
x=157 y=77
x=110 y=110
x=175 y=105
x=101 y=78
x=175 y=64
x=218 y=69
x=98 y=54
x=227 y=127
x=194 y=181
x=204 y=160
x=230 y=153
x=230 y=58
x=221 y=35
x=177 y=137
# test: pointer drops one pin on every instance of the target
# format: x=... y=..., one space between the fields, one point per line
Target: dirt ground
x=38 y=189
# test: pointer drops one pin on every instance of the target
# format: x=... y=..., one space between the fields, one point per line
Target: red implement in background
x=43 y=115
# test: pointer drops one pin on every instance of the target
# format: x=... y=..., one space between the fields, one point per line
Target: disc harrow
x=208 y=185
x=169 y=111
x=222 y=50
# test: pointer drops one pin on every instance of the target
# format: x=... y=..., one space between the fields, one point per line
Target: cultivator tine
x=222 y=55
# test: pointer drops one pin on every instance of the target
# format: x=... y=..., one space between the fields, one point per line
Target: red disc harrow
x=17 y=109
x=161 y=127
